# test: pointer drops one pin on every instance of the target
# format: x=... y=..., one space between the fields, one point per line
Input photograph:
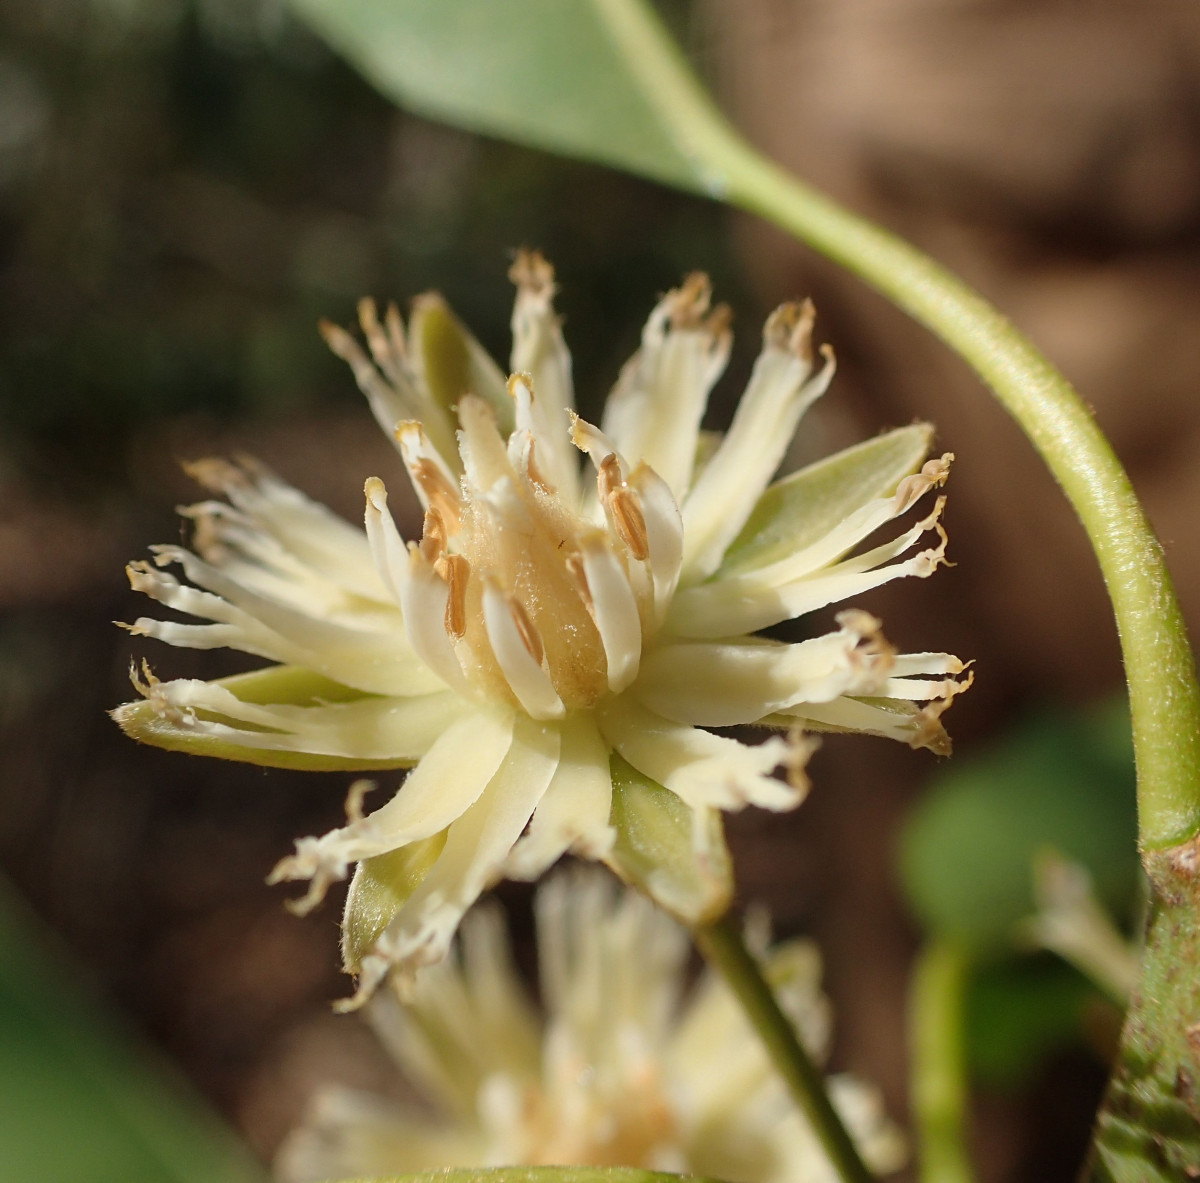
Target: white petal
x=443 y=786
x=701 y=768
x=367 y=733
x=388 y=551
x=573 y=814
x=724 y=684
x=654 y=411
x=744 y=603
x=539 y=350
x=476 y=847
x=779 y=392
x=664 y=534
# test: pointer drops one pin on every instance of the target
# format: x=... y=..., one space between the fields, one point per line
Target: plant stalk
x=938 y=1058
x=1163 y=692
x=723 y=948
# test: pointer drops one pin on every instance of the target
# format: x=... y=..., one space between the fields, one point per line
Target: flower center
x=522 y=591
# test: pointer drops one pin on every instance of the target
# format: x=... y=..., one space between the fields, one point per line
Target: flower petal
x=701 y=768
x=476 y=847
x=654 y=411
x=781 y=389
x=442 y=787
x=722 y=684
x=209 y=719
x=573 y=814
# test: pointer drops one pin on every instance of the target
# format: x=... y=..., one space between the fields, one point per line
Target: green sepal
x=668 y=851
x=802 y=508
x=453 y=362
x=380 y=888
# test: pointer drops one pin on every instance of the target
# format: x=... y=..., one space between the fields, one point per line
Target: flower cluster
x=549 y=655
x=624 y=1069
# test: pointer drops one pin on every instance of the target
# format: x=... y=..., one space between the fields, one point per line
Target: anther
x=433 y=535
x=608 y=476
x=630 y=522
x=528 y=630
x=575 y=569
x=455 y=570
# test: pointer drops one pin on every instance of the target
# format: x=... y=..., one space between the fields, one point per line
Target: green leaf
x=379 y=889
x=806 y=505
x=538 y=72
x=80 y=1097
x=1020 y=1012
x=538 y=1175
x=967 y=851
x=673 y=854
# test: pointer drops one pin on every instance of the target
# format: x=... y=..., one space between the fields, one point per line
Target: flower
x=623 y=1070
x=549 y=655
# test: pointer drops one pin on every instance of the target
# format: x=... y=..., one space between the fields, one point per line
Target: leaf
x=806 y=505
x=538 y=72
x=967 y=851
x=80 y=1097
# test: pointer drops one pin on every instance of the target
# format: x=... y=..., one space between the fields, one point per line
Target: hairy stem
x=726 y=952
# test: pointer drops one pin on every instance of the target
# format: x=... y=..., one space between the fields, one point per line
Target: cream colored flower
x=551 y=652
x=624 y=1070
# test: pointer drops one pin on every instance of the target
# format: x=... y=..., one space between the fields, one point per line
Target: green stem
x=1159 y=666
x=939 y=1074
x=726 y=952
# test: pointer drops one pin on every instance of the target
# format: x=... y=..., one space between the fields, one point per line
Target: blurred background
x=187 y=185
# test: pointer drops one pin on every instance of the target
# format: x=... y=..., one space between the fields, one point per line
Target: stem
x=1163 y=691
x=726 y=952
x=939 y=1085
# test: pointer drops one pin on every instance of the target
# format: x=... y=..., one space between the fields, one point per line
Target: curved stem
x=723 y=948
x=1159 y=666
x=939 y=1086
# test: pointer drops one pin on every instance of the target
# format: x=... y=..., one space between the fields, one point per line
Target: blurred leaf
x=967 y=851
x=538 y=72
x=80 y=1100
x=1020 y=1012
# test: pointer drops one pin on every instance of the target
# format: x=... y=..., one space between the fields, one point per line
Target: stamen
x=433 y=535
x=531 y=638
x=455 y=570
x=518 y=650
x=630 y=522
x=432 y=480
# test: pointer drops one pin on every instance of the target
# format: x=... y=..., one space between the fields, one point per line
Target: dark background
x=186 y=186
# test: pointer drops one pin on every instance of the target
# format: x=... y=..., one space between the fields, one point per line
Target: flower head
x=552 y=649
x=625 y=1069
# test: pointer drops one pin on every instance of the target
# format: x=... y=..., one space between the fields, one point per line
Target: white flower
x=623 y=1071
x=550 y=653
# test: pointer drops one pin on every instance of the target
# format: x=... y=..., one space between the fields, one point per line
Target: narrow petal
x=206 y=718
x=654 y=411
x=476 y=847
x=725 y=684
x=317 y=537
x=701 y=768
x=745 y=603
x=539 y=351
x=781 y=389
x=425 y=597
x=442 y=787
x=574 y=813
